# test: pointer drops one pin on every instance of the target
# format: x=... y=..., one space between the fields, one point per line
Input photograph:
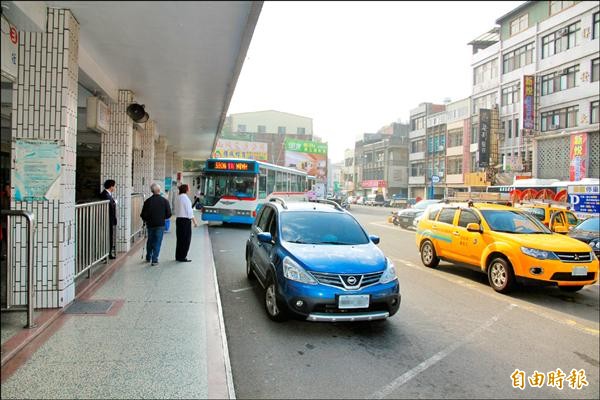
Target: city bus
x=235 y=188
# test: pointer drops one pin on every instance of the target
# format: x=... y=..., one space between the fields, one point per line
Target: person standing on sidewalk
x=107 y=194
x=183 y=224
x=155 y=211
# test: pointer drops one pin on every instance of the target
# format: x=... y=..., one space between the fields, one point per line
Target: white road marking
x=394 y=227
x=223 y=251
x=407 y=376
x=242 y=289
x=486 y=291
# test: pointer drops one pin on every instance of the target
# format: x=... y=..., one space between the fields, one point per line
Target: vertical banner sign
x=485 y=120
x=578 y=154
x=528 y=89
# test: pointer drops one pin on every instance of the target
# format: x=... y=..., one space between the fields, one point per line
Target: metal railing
x=137 y=224
x=92 y=235
x=30 y=218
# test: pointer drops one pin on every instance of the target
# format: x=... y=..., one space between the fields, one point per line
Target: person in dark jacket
x=107 y=194
x=155 y=211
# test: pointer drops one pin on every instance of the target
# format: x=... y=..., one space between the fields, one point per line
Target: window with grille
x=561 y=80
x=511 y=94
x=517 y=58
x=559 y=119
x=561 y=40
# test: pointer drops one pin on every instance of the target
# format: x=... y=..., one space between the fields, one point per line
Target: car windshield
x=592 y=225
x=219 y=185
x=513 y=222
x=308 y=227
x=422 y=205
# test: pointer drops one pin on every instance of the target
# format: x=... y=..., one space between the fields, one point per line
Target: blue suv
x=315 y=260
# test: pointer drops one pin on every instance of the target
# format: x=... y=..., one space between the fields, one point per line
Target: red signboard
x=578 y=154
x=373 y=184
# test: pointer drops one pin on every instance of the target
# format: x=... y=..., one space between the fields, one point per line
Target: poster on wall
x=37 y=170
x=528 y=115
x=578 y=154
x=310 y=157
x=227 y=148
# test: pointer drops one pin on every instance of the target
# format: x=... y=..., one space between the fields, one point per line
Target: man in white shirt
x=183 y=224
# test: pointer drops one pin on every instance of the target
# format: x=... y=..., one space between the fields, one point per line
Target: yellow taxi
x=556 y=216
x=510 y=246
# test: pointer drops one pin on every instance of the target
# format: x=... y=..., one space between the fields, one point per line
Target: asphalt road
x=454 y=337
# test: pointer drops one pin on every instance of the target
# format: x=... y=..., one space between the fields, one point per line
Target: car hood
x=584 y=236
x=549 y=242
x=357 y=259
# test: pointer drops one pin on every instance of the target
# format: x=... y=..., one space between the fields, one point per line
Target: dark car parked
x=588 y=231
x=406 y=217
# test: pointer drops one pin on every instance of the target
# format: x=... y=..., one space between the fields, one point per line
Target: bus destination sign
x=231 y=166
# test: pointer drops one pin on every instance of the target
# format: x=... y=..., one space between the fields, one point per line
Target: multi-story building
x=418 y=177
x=348 y=172
x=334 y=177
x=541 y=67
x=381 y=161
x=458 y=143
x=269 y=128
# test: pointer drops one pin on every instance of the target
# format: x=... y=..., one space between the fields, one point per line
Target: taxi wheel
x=276 y=311
x=249 y=272
x=570 y=289
x=501 y=275
x=428 y=256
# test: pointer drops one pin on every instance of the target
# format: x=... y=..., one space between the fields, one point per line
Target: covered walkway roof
x=181 y=59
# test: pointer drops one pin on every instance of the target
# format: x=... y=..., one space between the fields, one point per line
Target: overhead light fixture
x=137 y=113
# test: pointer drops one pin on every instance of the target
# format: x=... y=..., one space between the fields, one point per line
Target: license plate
x=404 y=219
x=579 y=271
x=353 y=301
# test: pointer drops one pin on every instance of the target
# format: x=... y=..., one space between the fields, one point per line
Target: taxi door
x=443 y=232
x=470 y=244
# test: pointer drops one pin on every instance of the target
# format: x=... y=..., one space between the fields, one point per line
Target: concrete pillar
x=116 y=161
x=169 y=167
x=160 y=148
x=177 y=165
x=143 y=170
x=44 y=113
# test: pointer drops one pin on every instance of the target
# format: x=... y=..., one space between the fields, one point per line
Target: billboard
x=528 y=91
x=310 y=157
x=485 y=122
x=227 y=148
x=578 y=154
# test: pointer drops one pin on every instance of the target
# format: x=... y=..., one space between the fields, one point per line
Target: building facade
x=541 y=68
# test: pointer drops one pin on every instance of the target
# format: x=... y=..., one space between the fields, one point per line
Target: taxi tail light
x=254 y=214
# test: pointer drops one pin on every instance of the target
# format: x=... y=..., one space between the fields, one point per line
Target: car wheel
x=276 y=311
x=570 y=289
x=249 y=272
x=428 y=256
x=501 y=275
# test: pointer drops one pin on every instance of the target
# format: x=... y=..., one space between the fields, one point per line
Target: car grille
x=566 y=276
x=574 y=257
x=345 y=281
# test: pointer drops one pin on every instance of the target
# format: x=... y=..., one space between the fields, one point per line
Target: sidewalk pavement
x=163 y=337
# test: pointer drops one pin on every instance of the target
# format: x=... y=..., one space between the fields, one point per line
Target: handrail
x=92 y=225
x=31 y=233
x=330 y=202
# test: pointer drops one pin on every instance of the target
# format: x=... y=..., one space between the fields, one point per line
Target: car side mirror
x=374 y=239
x=560 y=229
x=264 y=237
x=473 y=227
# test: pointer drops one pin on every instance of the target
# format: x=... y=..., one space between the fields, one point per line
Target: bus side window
x=262 y=186
x=270 y=181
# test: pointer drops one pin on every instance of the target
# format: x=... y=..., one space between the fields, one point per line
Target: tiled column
x=116 y=159
x=45 y=111
x=169 y=165
x=177 y=165
x=144 y=161
x=160 y=152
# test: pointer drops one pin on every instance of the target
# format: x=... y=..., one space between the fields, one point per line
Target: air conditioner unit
x=562 y=32
x=440 y=148
x=553 y=127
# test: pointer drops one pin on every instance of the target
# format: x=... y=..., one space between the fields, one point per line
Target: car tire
x=501 y=275
x=276 y=311
x=249 y=272
x=570 y=289
x=428 y=256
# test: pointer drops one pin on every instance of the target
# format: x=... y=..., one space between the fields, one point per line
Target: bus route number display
x=231 y=166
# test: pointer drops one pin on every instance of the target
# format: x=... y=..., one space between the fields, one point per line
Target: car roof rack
x=280 y=200
x=332 y=203
x=562 y=204
x=471 y=202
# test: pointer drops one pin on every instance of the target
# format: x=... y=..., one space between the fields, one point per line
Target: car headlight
x=595 y=244
x=539 y=254
x=389 y=274
x=294 y=272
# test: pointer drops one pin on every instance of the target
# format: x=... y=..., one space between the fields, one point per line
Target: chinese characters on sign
x=485 y=120
x=37 y=170
x=231 y=166
x=558 y=379
x=528 y=117
x=578 y=155
x=310 y=157
x=241 y=149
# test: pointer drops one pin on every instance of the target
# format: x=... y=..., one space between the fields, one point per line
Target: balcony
x=454 y=151
x=416 y=156
x=417 y=133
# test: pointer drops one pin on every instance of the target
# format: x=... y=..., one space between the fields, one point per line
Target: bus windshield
x=220 y=185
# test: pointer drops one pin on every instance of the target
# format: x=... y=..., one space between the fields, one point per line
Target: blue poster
x=168 y=183
x=37 y=170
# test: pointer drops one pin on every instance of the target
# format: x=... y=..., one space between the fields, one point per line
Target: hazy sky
x=356 y=66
